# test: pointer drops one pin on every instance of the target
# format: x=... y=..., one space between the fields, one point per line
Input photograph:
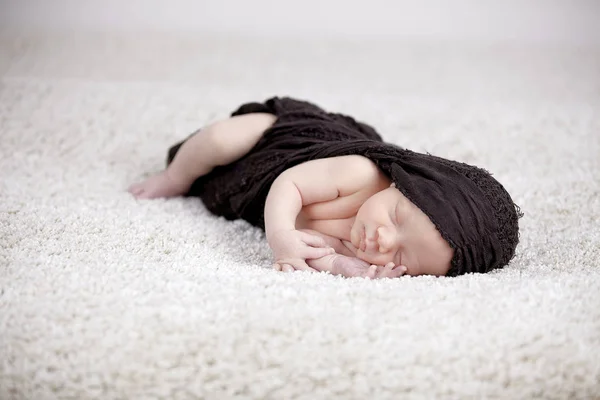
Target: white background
x=576 y=21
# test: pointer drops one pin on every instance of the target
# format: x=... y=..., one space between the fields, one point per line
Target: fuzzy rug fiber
x=106 y=297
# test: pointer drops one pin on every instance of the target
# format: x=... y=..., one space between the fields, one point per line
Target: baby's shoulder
x=353 y=163
x=346 y=174
x=360 y=168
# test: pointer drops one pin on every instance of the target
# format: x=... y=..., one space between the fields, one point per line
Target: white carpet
x=105 y=297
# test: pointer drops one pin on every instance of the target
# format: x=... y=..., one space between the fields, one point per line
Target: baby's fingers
x=313 y=240
x=291 y=265
x=371 y=272
x=303 y=266
x=283 y=267
x=390 y=271
x=317 y=252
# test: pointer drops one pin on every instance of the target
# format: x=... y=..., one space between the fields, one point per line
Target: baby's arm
x=314 y=182
x=344 y=263
x=308 y=183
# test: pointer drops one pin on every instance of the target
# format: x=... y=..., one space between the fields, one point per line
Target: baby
x=332 y=196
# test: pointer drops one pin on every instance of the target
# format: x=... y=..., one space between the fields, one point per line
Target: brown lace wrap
x=471 y=210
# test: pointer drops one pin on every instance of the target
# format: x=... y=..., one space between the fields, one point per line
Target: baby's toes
x=136 y=189
x=372 y=272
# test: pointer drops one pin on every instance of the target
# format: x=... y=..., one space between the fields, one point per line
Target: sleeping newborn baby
x=332 y=196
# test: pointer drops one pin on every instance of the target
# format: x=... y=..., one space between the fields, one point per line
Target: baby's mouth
x=367 y=244
x=362 y=243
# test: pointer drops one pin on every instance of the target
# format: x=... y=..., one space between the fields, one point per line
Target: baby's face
x=390 y=228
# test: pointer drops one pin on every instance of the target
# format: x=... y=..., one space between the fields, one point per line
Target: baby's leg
x=220 y=143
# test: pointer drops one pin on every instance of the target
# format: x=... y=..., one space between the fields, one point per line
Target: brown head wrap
x=472 y=211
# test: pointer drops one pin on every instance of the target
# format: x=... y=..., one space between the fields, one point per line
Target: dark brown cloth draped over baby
x=472 y=211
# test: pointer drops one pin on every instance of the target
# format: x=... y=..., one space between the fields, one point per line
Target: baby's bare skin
x=160 y=185
x=350 y=199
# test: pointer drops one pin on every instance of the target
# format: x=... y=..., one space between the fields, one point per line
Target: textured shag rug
x=106 y=297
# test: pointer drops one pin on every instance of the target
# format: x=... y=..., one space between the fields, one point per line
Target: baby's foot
x=349 y=266
x=355 y=267
x=159 y=185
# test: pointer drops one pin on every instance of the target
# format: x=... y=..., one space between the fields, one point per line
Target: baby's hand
x=355 y=267
x=387 y=271
x=292 y=248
